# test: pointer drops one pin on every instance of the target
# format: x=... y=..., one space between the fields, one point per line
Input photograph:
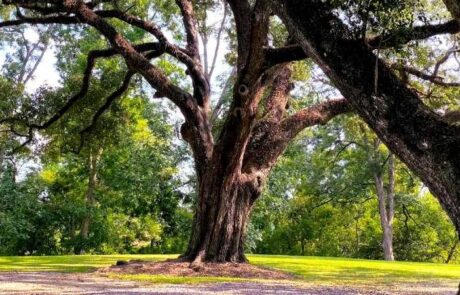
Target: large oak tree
x=233 y=160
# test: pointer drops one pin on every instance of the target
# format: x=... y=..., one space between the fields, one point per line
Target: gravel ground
x=62 y=283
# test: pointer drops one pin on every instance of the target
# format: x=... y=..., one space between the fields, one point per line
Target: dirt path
x=61 y=283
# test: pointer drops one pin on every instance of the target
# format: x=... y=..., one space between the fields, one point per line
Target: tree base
x=178 y=268
x=198 y=262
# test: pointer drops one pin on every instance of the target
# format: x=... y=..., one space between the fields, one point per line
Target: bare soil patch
x=52 y=283
x=178 y=268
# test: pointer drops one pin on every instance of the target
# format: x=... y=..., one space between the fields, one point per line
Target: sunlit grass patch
x=359 y=271
x=70 y=263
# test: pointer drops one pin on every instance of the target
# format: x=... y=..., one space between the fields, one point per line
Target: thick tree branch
x=109 y=100
x=148 y=26
x=424 y=76
x=274 y=56
x=277 y=100
x=248 y=89
x=188 y=17
x=40 y=20
x=392 y=39
x=171 y=49
x=258 y=40
x=197 y=125
x=318 y=114
x=242 y=14
x=201 y=85
x=405 y=35
x=135 y=60
x=270 y=138
x=196 y=130
x=195 y=69
x=144 y=47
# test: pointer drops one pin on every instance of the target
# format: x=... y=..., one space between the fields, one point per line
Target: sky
x=46 y=73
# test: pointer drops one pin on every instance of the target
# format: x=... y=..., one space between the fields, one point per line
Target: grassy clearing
x=317 y=270
x=80 y=263
x=359 y=271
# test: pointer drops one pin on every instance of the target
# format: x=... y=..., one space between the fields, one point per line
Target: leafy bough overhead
x=234 y=159
x=421 y=138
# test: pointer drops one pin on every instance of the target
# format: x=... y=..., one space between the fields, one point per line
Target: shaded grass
x=315 y=270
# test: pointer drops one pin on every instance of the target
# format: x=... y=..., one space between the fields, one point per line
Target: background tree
x=331 y=208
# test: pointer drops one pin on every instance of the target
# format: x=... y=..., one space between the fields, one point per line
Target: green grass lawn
x=345 y=270
x=72 y=263
x=317 y=270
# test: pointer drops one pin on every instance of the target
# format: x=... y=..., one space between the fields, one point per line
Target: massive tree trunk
x=427 y=144
x=220 y=220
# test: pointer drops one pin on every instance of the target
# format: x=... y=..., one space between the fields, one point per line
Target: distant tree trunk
x=357 y=233
x=387 y=229
x=391 y=196
x=302 y=246
x=386 y=208
x=93 y=159
x=1 y=163
x=14 y=171
x=450 y=255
